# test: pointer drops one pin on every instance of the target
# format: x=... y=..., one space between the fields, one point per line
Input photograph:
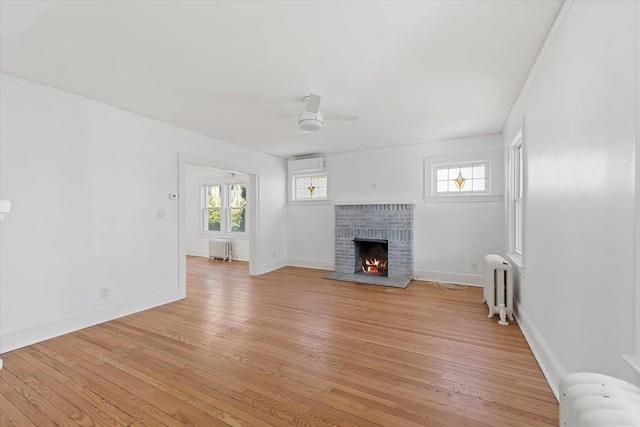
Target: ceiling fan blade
x=341 y=117
x=313 y=103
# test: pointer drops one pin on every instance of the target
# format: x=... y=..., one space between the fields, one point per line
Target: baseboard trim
x=449 y=277
x=37 y=334
x=550 y=366
x=206 y=255
x=307 y=263
x=200 y=254
x=273 y=266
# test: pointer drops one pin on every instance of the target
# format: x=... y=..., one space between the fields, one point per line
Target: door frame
x=253 y=209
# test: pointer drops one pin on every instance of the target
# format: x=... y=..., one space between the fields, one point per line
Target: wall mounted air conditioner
x=313 y=164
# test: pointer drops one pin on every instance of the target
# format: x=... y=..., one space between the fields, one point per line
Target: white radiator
x=595 y=400
x=498 y=285
x=219 y=248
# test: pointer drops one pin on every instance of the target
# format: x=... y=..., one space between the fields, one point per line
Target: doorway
x=217 y=200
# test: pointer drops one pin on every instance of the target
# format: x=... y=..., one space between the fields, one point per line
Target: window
x=237 y=211
x=464 y=177
x=225 y=207
x=212 y=210
x=516 y=187
x=470 y=178
x=310 y=187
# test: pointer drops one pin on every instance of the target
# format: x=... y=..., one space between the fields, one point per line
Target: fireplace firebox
x=371 y=257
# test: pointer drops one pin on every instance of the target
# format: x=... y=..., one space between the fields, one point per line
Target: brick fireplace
x=391 y=223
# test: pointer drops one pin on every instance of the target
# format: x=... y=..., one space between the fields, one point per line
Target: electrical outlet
x=161 y=213
x=474 y=266
x=105 y=293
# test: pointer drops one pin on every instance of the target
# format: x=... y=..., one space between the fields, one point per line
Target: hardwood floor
x=286 y=348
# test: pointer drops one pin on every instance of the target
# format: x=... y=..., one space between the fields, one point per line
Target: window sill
x=462 y=198
x=516 y=261
x=220 y=235
x=309 y=202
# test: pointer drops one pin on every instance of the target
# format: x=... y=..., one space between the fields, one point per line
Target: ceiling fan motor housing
x=310 y=122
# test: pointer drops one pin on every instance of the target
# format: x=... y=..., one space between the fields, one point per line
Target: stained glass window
x=462 y=179
x=310 y=187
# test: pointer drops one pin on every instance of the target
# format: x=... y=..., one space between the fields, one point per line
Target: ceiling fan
x=310 y=119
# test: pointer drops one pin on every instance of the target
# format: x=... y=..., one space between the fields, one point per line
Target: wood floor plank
x=24 y=370
x=286 y=348
x=5 y=421
x=43 y=403
x=184 y=413
x=200 y=389
x=30 y=409
x=124 y=399
x=13 y=414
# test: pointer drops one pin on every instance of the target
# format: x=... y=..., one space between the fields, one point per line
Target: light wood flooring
x=287 y=348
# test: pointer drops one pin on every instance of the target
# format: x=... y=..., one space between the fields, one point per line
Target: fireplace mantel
x=375 y=202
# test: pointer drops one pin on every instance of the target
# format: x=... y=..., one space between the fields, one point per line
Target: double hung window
x=225 y=207
x=516 y=200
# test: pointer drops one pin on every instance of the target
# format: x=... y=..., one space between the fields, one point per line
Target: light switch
x=5 y=206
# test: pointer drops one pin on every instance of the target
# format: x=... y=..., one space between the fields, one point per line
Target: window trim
x=494 y=182
x=224 y=209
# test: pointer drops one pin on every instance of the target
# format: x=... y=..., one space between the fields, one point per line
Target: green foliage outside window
x=213 y=207
x=214 y=220
x=238 y=202
x=236 y=210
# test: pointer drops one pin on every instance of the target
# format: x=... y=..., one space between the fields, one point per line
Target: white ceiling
x=413 y=71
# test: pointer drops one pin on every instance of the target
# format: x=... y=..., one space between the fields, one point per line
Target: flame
x=374 y=266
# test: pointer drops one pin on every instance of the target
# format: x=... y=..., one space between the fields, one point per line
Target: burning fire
x=374 y=266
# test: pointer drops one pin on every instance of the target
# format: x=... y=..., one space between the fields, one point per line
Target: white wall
x=449 y=237
x=577 y=297
x=197 y=239
x=85 y=181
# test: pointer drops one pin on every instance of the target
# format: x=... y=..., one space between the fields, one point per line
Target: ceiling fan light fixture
x=310 y=122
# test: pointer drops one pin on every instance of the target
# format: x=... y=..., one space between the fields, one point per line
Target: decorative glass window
x=237 y=208
x=467 y=178
x=464 y=177
x=310 y=187
x=213 y=201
